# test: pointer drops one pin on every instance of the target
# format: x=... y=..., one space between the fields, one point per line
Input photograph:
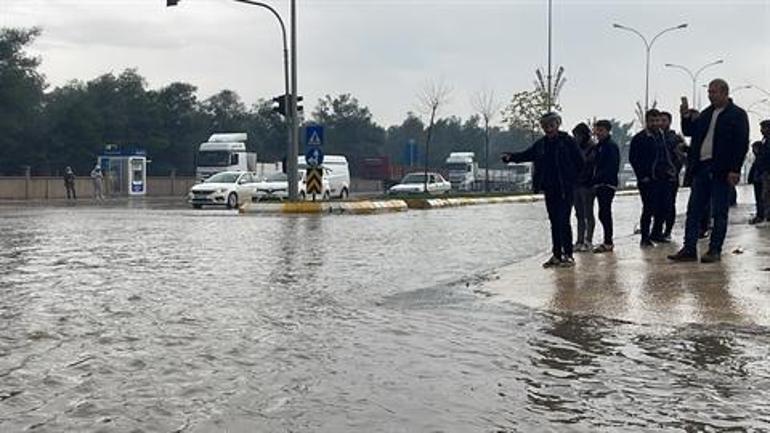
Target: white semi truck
x=463 y=170
x=224 y=152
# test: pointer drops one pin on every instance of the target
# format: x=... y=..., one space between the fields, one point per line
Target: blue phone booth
x=125 y=171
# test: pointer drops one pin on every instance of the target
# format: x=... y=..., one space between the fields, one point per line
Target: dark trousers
x=671 y=216
x=70 y=191
x=651 y=199
x=759 y=199
x=663 y=201
x=605 y=195
x=707 y=190
x=559 y=207
x=584 y=212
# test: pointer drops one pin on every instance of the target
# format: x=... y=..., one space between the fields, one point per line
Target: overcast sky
x=384 y=51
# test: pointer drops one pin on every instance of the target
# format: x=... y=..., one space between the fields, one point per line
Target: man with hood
x=584 y=190
x=69 y=183
x=557 y=162
x=98 y=180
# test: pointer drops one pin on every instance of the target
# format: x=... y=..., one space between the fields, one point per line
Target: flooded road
x=156 y=319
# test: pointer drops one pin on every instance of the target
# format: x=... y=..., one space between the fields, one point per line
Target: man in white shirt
x=720 y=140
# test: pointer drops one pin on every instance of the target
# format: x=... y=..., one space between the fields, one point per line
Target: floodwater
x=163 y=319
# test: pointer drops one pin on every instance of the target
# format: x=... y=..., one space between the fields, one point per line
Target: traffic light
x=299 y=107
x=282 y=105
x=171 y=2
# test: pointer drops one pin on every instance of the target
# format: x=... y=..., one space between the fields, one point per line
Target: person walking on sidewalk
x=69 y=183
x=605 y=180
x=756 y=180
x=761 y=172
x=98 y=180
x=648 y=157
x=676 y=146
x=584 y=190
x=720 y=140
x=557 y=161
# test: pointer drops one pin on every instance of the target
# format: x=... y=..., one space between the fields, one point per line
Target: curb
x=310 y=208
x=435 y=203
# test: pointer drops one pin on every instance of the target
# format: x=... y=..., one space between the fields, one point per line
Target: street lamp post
x=289 y=91
x=648 y=45
x=694 y=76
x=550 y=76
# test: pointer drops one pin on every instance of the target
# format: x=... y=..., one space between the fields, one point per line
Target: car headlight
x=222 y=190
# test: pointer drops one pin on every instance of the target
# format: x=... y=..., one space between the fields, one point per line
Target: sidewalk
x=642 y=286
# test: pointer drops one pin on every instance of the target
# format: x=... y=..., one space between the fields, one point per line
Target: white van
x=337 y=171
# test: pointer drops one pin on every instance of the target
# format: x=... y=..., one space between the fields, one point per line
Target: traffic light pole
x=291 y=160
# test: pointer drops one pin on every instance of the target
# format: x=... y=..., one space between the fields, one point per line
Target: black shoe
x=756 y=220
x=567 y=262
x=711 y=257
x=553 y=261
x=646 y=243
x=657 y=238
x=684 y=256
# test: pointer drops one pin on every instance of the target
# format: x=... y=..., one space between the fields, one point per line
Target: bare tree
x=431 y=98
x=486 y=104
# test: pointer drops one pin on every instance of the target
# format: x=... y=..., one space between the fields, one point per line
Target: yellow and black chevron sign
x=314 y=181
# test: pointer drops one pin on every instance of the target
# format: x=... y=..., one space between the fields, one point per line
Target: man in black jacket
x=557 y=161
x=720 y=140
x=605 y=180
x=584 y=189
x=654 y=169
x=760 y=174
x=676 y=146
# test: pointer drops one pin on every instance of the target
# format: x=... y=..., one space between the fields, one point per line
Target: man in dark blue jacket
x=557 y=161
x=760 y=174
x=720 y=140
x=676 y=146
x=654 y=169
x=605 y=180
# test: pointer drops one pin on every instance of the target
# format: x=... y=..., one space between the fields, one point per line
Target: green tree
x=21 y=97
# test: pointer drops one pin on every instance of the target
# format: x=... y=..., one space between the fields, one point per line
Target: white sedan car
x=414 y=183
x=276 y=187
x=228 y=188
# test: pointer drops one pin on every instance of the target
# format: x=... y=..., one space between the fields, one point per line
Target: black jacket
x=585 y=177
x=607 y=163
x=651 y=158
x=557 y=162
x=761 y=163
x=731 y=140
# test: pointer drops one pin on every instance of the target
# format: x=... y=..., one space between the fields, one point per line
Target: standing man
x=557 y=161
x=69 y=183
x=605 y=180
x=98 y=179
x=584 y=190
x=720 y=140
x=755 y=178
x=763 y=166
x=676 y=146
x=647 y=155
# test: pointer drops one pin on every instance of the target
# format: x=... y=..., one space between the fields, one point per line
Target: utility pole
x=291 y=159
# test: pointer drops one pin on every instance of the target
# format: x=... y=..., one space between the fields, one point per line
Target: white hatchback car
x=228 y=188
x=414 y=183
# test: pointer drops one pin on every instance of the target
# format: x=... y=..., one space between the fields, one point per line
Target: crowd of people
x=579 y=170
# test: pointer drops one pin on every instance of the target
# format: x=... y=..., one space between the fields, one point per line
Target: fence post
x=173 y=182
x=27 y=180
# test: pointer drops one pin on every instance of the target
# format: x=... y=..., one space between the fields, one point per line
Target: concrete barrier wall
x=51 y=188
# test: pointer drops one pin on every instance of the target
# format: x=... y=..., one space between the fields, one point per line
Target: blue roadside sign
x=314 y=136
x=314 y=157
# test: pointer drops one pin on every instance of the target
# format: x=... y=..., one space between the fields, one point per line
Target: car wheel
x=344 y=194
x=232 y=201
x=327 y=196
x=197 y=206
x=302 y=196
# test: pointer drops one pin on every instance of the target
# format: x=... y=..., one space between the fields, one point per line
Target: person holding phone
x=720 y=141
x=557 y=161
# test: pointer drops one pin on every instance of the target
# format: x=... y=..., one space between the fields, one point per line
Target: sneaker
x=567 y=262
x=553 y=261
x=711 y=257
x=684 y=256
x=666 y=239
x=646 y=243
x=604 y=248
x=579 y=247
x=756 y=220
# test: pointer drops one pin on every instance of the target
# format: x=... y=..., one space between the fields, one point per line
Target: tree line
x=47 y=129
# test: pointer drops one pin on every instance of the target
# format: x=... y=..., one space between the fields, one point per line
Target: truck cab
x=224 y=152
x=462 y=170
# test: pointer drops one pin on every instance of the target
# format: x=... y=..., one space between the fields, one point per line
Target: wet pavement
x=150 y=317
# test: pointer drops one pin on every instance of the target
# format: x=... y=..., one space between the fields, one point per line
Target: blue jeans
x=705 y=190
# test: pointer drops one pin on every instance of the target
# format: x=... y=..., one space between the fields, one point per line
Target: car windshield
x=414 y=178
x=458 y=167
x=277 y=177
x=213 y=158
x=226 y=177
